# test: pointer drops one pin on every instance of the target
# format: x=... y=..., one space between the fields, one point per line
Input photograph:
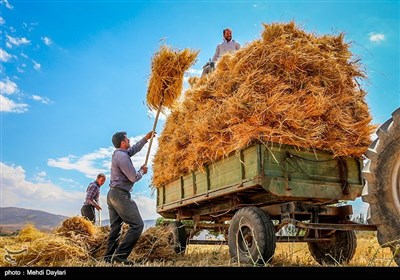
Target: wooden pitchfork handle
x=152 y=133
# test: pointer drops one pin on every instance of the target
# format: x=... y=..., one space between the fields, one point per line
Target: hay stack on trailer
x=288 y=87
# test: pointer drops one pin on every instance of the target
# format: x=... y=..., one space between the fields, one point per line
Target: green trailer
x=253 y=193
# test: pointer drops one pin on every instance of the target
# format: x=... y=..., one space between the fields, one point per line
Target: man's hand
x=144 y=169
x=148 y=135
x=98 y=207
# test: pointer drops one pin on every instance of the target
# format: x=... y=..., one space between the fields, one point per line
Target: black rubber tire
x=336 y=252
x=178 y=236
x=251 y=237
x=382 y=184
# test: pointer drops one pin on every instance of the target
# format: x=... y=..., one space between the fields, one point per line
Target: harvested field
x=73 y=248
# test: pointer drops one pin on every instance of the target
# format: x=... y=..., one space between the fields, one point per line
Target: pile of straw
x=52 y=250
x=78 y=243
x=32 y=247
x=29 y=233
x=154 y=244
x=76 y=225
x=166 y=80
x=85 y=234
x=289 y=87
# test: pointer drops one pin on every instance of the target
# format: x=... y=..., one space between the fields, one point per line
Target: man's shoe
x=120 y=260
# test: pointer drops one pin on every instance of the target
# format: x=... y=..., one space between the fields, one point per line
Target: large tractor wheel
x=382 y=184
x=251 y=237
x=177 y=236
x=336 y=252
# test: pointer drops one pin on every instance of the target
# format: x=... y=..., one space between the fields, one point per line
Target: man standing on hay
x=120 y=205
x=227 y=45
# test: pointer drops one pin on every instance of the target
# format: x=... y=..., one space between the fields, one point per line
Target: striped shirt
x=92 y=194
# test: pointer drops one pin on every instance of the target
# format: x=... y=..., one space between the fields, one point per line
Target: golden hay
x=154 y=244
x=51 y=250
x=71 y=245
x=166 y=79
x=9 y=248
x=85 y=234
x=97 y=243
x=289 y=87
x=29 y=233
x=77 y=240
x=32 y=247
x=76 y=225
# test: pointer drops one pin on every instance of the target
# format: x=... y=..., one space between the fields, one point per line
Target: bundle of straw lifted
x=166 y=80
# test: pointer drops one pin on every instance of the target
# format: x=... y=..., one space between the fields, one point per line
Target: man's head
x=227 y=33
x=101 y=178
x=120 y=140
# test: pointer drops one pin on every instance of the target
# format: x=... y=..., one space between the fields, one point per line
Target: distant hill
x=13 y=219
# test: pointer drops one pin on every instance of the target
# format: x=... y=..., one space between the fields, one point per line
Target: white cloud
x=41 y=99
x=47 y=41
x=8 y=105
x=71 y=183
x=40 y=176
x=17 y=191
x=84 y=164
x=29 y=26
x=376 y=37
x=2 y=21
x=8 y=5
x=193 y=72
x=36 y=65
x=147 y=207
x=100 y=160
x=17 y=41
x=20 y=70
x=161 y=117
x=5 y=56
x=8 y=87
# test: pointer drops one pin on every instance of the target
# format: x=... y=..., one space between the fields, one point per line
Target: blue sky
x=75 y=72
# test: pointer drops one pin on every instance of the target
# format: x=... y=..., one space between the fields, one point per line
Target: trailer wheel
x=177 y=237
x=382 y=184
x=251 y=236
x=338 y=251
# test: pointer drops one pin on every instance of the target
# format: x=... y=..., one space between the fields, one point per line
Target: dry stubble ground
x=368 y=254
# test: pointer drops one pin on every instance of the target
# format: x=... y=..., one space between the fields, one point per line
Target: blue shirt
x=123 y=173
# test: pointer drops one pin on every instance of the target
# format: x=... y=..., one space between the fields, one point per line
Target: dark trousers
x=88 y=212
x=122 y=209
